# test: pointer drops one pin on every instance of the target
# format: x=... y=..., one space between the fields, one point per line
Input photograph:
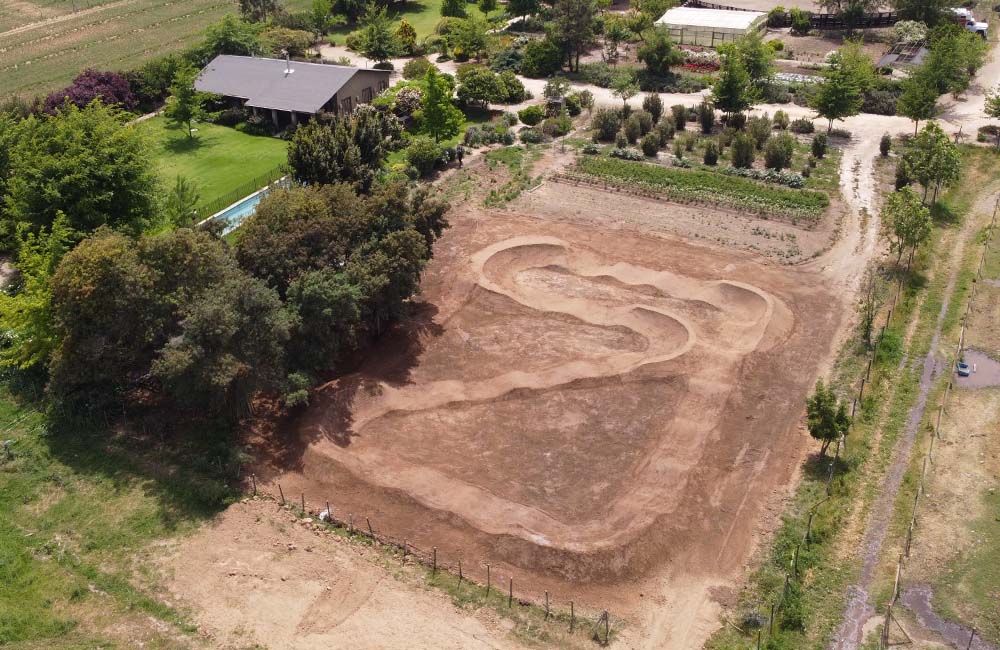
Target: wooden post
x=282 y=494
x=861 y=391
x=350 y=523
x=487 y=580
x=971 y=637
x=434 y=561
x=371 y=532
x=572 y=617
x=510 y=593
x=404 y=549
x=829 y=480
x=459 y=573
x=607 y=627
x=770 y=622
x=303 y=503
x=909 y=537
x=546 y=605
x=329 y=513
x=808 y=539
x=758 y=639
x=253 y=479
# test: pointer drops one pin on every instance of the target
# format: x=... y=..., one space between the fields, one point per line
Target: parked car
x=965 y=18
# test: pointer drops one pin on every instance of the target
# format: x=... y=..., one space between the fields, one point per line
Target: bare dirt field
x=588 y=408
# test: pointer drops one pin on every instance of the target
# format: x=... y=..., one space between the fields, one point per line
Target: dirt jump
x=572 y=403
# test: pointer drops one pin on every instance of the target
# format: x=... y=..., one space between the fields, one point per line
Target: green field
x=218 y=160
x=424 y=15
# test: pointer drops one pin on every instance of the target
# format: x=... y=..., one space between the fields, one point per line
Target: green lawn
x=423 y=15
x=218 y=160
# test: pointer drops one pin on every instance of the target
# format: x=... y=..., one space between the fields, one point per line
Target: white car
x=966 y=20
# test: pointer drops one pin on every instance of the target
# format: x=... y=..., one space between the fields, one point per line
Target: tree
x=185 y=104
x=625 y=87
x=321 y=14
x=478 y=84
x=180 y=206
x=84 y=163
x=992 y=107
x=826 y=416
x=523 y=8
x=918 y=101
x=869 y=302
x=615 y=33
x=439 y=117
x=406 y=37
x=542 y=58
x=110 y=87
x=486 y=6
x=652 y=104
x=328 y=324
x=658 y=52
x=933 y=159
x=453 y=9
x=231 y=36
x=841 y=93
x=470 y=35
x=955 y=55
x=756 y=56
x=733 y=92
x=281 y=41
x=257 y=11
x=349 y=149
x=573 y=28
x=555 y=89
x=375 y=39
x=25 y=313
x=928 y=12
x=906 y=222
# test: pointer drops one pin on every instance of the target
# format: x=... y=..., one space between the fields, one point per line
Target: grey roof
x=264 y=83
x=717 y=18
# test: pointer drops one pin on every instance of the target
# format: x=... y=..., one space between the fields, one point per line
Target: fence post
x=253 y=479
x=460 y=573
x=282 y=494
x=546 y=605
x=572 y=617
x=487 y=581
x=434 y=561
x=510 y=593
x=303 y=504
x=770 y=622
x=971 y=637
x=371 y=532
x=329 y=513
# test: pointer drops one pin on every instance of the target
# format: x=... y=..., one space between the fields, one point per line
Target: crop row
x=708 y=187
x=114 y=46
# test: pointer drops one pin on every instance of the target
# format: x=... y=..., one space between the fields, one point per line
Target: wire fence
x=207 y=210
x=816 y=20
x=484 y=577
x=935 y=435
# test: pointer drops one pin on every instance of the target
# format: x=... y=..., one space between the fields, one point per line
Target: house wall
x=355 y=89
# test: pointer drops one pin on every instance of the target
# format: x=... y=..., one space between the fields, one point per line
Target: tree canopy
x=906 y=222
x=658 y=51
x=439 y=118
x=733 y=93
x=826 y=416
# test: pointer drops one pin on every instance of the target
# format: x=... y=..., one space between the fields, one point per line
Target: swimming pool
x=234 y=215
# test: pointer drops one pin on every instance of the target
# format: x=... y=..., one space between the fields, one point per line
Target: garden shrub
x=737 y=121
x=802 y=125
x=680 y=116
x=711 y=156
x=384 y=65
x=759 y=128
x=598 y=73
x=621 y=140
x=706 y=117
x=840 y=133
x=819 y=145
x=780 y=120
x=416 y=68
x=531 y=115
x=633 y=128
x=557 y=126
x=665 y=132
x=776 y=17
x=506 y=59
x=653 y=105
x=742 y=151
x=779 y=150
x=591 y=149
x=572 y=104
x=424 y=154
x=650 y=144
x=645 y=120
x=531 y=136
x=801 y=23
x=606 y=123
x=626 y=153
x=542 y=58
x=679 y=148
x=885 y=144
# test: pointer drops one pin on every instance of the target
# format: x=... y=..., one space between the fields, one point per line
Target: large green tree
x=918 y=100
x=992 y=107
x=933 y=160
x=826 y=416
x=85 y=163
x=522 y=8
x=733 y=93
x=185 y=104
x=231 y=36
x=375 y=38
x=439 y=117
x=929 y=12
x=573 y=28
x=658 y=51
x=849 y=76
x=906 y=222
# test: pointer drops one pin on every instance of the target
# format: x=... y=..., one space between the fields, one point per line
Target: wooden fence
x=817 y=21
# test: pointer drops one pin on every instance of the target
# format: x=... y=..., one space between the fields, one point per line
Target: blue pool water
x=234 y=216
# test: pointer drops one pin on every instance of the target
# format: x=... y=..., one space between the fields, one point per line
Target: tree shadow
x=943 y=215
x=179 y=144
x=817 y=467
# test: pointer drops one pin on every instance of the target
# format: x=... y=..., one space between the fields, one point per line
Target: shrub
x=806 y=171
x=737 y=121
x=621 y=140
x=626 y=153
x=711 y=156
x=409 y=99
x=780 y=120
x=802 y=125
x=680 y=116
x=645 y=121
x=510 y=88
x=531 y=136
x=779 y=150
x=633 y=128
x=881 y=101
x=988 y=133
x=650 y=144
x=591 y=149
x=506 y=59
x=819 y=145
x=453 y=9
x=679 y=148
x=706 y=117
x=759 y=128
x=742 y=150
x=776 y=92
x=231 y=116
x=572 y=104
x=801 y=23
x=542 y=58
x=606 y=123
x=776 y=17
x=665 y=131
x=653 y=105
x=531 y=115
x=689 y=142
x=903 y=177
x=424 y=154
x=776 y=176
x=840 y=133
x=416 y=68
x=384 y=65
x=557 y=126
x=885 y=144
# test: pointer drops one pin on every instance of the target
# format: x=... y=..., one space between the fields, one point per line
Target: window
x=345 y=105
x=366 y=94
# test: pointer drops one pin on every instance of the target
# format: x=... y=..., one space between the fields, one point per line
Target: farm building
x=710 y=27
x=290 y=91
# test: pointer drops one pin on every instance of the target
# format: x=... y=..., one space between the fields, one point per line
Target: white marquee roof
x=716 y=18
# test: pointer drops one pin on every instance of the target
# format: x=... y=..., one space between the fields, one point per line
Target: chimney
x=288 y=64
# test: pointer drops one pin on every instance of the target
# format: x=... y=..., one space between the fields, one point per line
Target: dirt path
x=859 y=609
x=48 y=22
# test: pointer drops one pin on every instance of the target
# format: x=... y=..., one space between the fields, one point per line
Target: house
x=710 y=27
x=290 y=91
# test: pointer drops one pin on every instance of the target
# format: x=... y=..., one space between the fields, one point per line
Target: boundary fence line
x=600 y=626
x=884 y=638
x=816 y=20
x=211 y=208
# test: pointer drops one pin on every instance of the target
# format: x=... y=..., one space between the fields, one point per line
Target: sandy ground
x=260 y=579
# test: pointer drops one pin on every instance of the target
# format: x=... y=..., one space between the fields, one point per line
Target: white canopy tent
x=710 y=27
